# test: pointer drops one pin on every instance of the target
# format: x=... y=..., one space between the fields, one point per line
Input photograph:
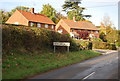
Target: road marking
x=88 y=76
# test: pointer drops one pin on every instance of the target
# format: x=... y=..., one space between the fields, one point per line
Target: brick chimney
x=74 y=19
x=32 y=10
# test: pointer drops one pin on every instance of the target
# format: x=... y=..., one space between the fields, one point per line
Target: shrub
x=32 y=38
x=104 y=45
x=97 y=39
x=112 y=47
x=118 y=44
x=89 y=46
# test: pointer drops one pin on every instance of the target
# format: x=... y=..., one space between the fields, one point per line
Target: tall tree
x=49 y=11
x=59 y=16
x=108 y=28
x=73 y=9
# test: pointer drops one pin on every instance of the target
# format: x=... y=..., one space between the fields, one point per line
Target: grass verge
x=20 y=65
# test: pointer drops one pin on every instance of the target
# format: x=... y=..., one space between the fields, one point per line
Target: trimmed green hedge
x=32 y=38
x=104 y=45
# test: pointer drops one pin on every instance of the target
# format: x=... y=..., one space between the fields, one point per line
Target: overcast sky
x=97 y=8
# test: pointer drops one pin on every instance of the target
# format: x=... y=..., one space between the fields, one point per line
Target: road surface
x=102 y=67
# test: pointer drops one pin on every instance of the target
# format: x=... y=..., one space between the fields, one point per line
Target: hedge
x=104 y=45
x=32 y=38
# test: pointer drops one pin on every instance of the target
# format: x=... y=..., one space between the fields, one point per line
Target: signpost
x=61 y=44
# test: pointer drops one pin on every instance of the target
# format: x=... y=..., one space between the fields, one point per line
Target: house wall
x=17 y=18
x=43 y=25
x=64 y=31
x=62 y=25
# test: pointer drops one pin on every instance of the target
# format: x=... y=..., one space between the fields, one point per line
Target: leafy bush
x=84 y=44
x=112 y=47
x=104 y=45
x=118 y=44
x=90 y=46
x=97 y=39
x=32 y=38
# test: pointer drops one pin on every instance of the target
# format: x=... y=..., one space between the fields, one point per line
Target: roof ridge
x=31 y=13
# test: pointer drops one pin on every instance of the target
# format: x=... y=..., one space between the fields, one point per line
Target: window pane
x=46 y=25
x=38 y=25
x=52 y=26
x=31 y=24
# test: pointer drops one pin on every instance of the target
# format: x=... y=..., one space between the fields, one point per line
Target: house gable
x=17 y=18
x=62 y=25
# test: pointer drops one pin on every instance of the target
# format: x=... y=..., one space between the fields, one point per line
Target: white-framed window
x=52 y=26
x=16 y=23
x=96 y=31
x=38 y=25
x=46 y=25
x=31 y=24
x=60 y=31
x=79 y=30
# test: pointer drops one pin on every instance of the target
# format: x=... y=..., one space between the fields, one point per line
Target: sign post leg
x=67 y=48
x=54 y=49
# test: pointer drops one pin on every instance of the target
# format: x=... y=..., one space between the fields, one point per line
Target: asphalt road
x=102 y=67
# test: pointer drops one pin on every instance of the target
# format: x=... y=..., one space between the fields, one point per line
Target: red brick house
x=29 y=18
x=72 y=28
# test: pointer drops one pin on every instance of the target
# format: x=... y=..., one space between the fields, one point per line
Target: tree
x=23 y=8
x=49 y=11
x=4 y=16
x=74 y=10
x=59 y=16
x=108 y=28
x=103 y=37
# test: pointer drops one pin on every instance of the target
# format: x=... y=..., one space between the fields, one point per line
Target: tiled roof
x=80 y=25
x=36 y=17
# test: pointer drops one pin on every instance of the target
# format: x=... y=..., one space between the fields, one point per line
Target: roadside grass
x=18 y=65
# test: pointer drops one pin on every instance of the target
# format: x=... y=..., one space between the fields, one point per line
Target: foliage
x=108 y=32
x=23 y=8
x=83 y=34
x=90 y=46
x=15 y=37
x=4 y=16
x=96 y=39
x=74 y=10
x=112 y=47
x=37 y=62
x=59 y=16
x=104 y=45
x=49 y=11
x=84 y=44
x=112 y=35
x=73 y=13
x=103 y=37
